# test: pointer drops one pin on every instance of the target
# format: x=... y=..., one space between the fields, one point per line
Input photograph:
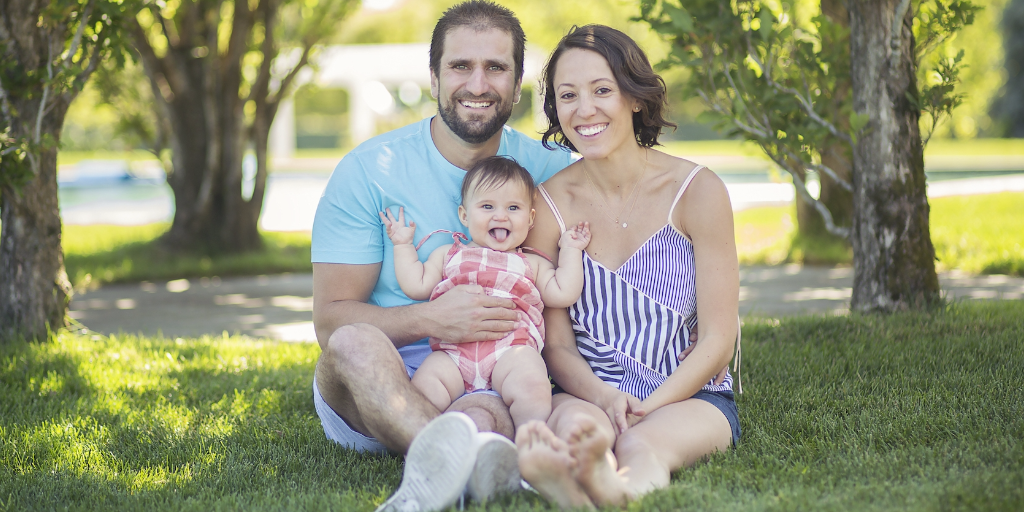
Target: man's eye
x=496 y=68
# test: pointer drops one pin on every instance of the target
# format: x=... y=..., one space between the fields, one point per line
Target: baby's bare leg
x=521 y=379
x=439 y=379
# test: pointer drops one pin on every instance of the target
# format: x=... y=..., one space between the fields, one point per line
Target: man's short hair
x=479 y=15
x=495 y=171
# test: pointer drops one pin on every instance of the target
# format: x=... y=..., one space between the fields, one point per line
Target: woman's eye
x=604 y=90
x=567 y=96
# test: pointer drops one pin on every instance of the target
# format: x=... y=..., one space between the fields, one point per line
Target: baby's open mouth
x=499 y=234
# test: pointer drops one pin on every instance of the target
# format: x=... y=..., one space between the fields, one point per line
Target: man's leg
x=362 y=378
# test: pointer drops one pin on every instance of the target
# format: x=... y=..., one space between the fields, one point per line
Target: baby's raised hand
x=577 y=237
x=398 y=232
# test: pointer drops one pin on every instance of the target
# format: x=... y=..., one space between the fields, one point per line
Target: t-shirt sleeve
x=346 y=228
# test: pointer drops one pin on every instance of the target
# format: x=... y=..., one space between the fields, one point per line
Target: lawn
x=98 y=254
x=912 y=411
x=977 y=234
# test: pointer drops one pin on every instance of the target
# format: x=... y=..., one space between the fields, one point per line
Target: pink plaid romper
x=501 y=274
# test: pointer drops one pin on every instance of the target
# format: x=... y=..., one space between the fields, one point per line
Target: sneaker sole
x=437 y=466
x=497 y=468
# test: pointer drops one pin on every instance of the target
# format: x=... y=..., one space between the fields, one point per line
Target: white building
x=369 y=73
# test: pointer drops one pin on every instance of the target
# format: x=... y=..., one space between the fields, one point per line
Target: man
x=372 y=336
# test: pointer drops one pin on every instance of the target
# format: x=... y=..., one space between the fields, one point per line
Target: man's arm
x=464 y=313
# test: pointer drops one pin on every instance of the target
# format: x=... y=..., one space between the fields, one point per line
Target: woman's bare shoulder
x=563 y=179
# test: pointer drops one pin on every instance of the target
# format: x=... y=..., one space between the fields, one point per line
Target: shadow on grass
x=909 y=411
x=150 y=260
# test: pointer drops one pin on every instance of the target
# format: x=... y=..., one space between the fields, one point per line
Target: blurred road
x=281 y=306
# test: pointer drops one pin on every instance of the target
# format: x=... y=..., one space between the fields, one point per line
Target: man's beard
x=475 y=132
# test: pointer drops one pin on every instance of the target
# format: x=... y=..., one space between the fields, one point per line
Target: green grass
x=100 y=254
x=977 y=234
x=911 y=411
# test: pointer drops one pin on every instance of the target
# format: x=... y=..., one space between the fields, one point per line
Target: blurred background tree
x=218 y=75
x=1009 y=109
x=48 y=51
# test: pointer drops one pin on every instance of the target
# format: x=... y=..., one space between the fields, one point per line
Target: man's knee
x=488 y=411
x=354 y=344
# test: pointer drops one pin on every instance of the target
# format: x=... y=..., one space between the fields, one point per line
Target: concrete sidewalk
x=281 y=306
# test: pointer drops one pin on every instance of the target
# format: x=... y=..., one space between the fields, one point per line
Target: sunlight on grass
x=911 y=410
x=977 y=234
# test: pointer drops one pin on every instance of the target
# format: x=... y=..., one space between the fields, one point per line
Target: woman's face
x=594 y=114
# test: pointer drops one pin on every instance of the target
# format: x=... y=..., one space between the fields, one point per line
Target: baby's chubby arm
x=561 y=287
x=417 y=279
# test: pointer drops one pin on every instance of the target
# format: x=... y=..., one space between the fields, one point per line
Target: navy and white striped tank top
x=631 y=324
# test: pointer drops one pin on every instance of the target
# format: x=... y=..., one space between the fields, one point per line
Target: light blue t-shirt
x=404 y=168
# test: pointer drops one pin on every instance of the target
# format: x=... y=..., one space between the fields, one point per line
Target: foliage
x=771 y=74
x=912 y=411
x=978 y=234
x=76 y=36
x=1009 y=109
x=95 y=255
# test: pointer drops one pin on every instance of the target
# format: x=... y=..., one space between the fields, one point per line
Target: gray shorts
x=338 y=430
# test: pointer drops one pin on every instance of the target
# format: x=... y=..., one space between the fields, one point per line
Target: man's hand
x=398 y=231
x=577 y=237
x=720 y=378
x=465 y=313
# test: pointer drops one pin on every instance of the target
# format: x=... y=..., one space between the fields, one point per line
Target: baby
x=497 y=207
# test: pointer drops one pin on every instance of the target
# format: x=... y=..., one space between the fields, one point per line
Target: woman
x=662 y=259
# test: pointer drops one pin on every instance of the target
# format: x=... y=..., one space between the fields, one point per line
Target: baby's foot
x=545 y=463
x=595 y=470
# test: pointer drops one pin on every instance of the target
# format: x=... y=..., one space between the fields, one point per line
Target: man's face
x=477 y=84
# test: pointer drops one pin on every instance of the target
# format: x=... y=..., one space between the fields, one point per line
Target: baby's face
x=499 y=217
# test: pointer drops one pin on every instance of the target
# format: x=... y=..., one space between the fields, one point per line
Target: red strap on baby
x=538 y=252
x=455 y=236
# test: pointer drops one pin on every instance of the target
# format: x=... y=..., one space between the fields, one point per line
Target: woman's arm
x=705 y=214
x=564 y=361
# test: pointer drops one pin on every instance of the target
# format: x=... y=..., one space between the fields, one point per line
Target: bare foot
x=594 y=471
x=545 y=463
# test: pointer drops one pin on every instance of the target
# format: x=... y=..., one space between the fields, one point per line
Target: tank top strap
x=455 y=236
x=551 y=204
x=686 y=183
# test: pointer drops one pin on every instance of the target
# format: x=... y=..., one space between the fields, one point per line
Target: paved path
x=280 y=306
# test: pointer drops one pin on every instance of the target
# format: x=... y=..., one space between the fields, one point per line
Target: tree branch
x=896 y=36
x=801 y=189
x=75 y=41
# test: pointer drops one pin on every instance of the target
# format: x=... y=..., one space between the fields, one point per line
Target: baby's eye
x=513 y=207
x=487 y=207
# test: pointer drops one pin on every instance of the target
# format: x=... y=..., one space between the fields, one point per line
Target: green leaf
x=766 y=18
x=681 y=19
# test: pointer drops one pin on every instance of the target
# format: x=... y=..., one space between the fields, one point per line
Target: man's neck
x=458 y=152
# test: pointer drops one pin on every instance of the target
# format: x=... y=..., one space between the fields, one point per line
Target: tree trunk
x=894 y=260
x=198 y=86
x=34 y=287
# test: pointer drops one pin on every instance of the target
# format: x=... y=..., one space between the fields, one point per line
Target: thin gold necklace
x=605 y=203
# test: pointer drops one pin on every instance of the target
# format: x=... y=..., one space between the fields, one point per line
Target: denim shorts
x=723 y=400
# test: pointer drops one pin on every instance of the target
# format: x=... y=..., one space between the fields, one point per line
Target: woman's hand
x=398 y=232
x=623 y=409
